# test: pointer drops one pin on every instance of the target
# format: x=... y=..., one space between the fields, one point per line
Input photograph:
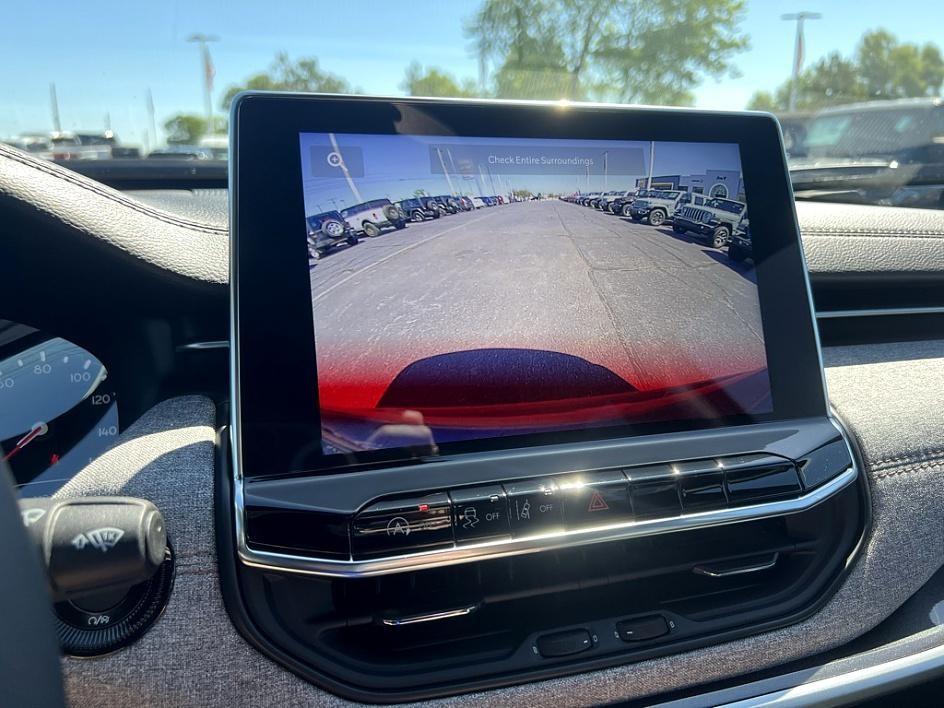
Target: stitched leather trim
x=100 y=190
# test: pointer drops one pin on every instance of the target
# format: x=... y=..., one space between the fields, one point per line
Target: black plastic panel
x=338 y=633
x=336 y=628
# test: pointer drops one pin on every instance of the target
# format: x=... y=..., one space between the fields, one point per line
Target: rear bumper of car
x=329 y=241
x=743 y=244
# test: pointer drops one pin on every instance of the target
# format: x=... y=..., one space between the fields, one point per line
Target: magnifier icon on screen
x=334 y=159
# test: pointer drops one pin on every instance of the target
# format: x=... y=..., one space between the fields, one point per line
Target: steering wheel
x=29 y=653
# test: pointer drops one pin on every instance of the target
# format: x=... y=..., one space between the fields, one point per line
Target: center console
x=519 y=390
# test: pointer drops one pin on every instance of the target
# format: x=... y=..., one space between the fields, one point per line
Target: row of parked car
x=334 y=228
x=722 y=223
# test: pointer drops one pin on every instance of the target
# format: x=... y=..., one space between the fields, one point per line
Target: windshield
x=725 y=205
x=878 y=131
x=135 y=81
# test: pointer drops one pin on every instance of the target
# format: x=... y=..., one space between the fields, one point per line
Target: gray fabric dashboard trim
x=890 y=395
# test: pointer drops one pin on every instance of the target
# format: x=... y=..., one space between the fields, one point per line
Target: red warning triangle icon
x=597 y=502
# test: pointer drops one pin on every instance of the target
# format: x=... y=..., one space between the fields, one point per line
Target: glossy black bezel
x=276 y=397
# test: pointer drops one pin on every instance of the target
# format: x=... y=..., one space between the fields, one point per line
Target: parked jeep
x=622 y=204
x=739 y=247
x=450 y=204
x=370 y=218
x=327 y=230
x=716 y=220
x=603 y=203
x=420 y=208
x=689 y=199
x=657 y=207
x=478 y=203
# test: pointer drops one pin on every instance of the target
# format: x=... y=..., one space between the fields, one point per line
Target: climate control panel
x=507 y=517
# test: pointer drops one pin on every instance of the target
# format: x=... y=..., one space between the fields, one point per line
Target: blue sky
x=103 y=55
x=394 y=166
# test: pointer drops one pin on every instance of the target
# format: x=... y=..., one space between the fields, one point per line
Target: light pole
x=340 y=163
x=454 y=170
x=54 y=106
x=208 y=73
x=799 y=18
x=652 y=159
x=442 y=163
x=605 y=176
x=491 y=179
x=149 y=104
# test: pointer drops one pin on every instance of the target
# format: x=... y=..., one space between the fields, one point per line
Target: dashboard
x=57 y=411
x=149 y=313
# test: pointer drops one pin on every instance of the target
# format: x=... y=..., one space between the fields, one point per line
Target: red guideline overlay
x=504 y=390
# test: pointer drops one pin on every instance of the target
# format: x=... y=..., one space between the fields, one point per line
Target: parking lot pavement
x=654 y=307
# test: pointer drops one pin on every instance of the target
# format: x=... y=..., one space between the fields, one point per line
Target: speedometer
x=56 y=411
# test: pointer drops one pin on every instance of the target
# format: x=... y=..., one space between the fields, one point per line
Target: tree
x=188 y=128
x=628 y=50
x=892 y=70
x=286 y=75
x=533 y=64
x=434 y=82
x=763 y=101
x=880 y=68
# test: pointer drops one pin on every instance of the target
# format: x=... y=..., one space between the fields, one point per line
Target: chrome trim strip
x=880 y=312
x=202 y=346
x=817 y=340
x=517 y=546
x=429 y=617
x=744 y=570
x=851 y=686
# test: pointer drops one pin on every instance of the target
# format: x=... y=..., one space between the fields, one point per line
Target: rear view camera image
x=473 y=288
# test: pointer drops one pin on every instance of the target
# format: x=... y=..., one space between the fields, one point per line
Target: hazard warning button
x=595 y=499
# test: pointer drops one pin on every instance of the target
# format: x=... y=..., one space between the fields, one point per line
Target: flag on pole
x=209 y=71
x=799 y=52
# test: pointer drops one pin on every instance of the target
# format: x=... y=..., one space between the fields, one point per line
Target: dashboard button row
x=480 y=514
x=550 y=505
x=391 y=527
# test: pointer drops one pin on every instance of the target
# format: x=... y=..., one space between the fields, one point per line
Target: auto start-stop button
x=395 y=526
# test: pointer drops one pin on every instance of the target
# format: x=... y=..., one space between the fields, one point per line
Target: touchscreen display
x=474 y=288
